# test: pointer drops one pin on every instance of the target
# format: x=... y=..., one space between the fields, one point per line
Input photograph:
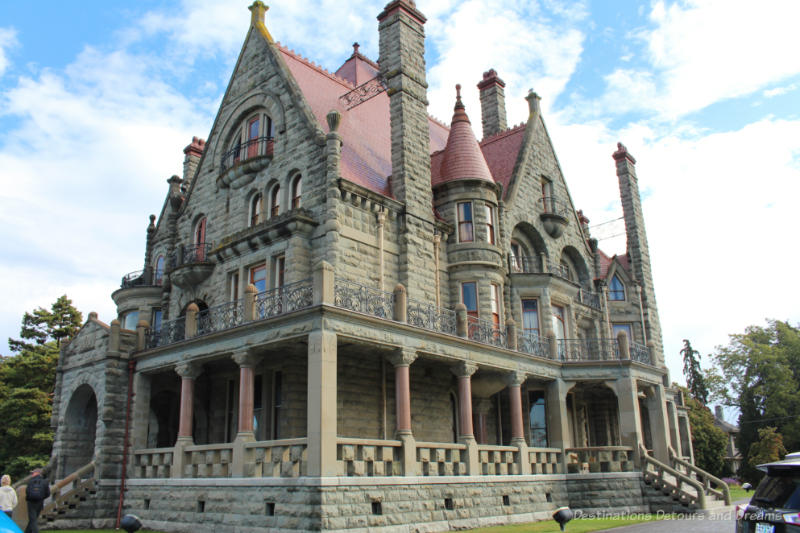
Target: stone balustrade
x=600 y=459
x=369 y=457
x=546 y=460
x=441 y=459
x=152 y=463
x=277 y=458
x=498 y=460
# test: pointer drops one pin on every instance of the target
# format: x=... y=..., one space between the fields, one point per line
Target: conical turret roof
x=462 y=157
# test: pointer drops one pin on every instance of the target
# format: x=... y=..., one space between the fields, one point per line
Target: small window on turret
x=489 y=214
x=297 y=191
x=616 y=289
x=275 y=201
x=465 y=222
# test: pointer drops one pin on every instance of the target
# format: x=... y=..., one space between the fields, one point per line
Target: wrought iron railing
x=527 y=265
x=187 y=254
x=486 y=332
x=220 y=317
x=428 y=316
x=260 y=147
x=640 y=353
x=533 y=344
x=171 y=331
x=560 y=270
x=282 y=300
x=141 y=278
x=588 y=298
x=362 y=299
x=588 y=349
x=554 y=206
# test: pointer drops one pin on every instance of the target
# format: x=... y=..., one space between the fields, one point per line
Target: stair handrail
x=73 y=478
x=704 y=477
x=679 y=476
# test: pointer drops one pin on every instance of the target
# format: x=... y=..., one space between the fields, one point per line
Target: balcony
x=141 y=278
x=382 y=305
x=554 y=216
x=240 y=164
x=190 y=264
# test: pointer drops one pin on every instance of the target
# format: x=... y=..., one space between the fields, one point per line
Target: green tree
x=708 y=441
x=691 y=371
x=759 y=373
x=26 y=386
x=41 y=326
x=768 y=448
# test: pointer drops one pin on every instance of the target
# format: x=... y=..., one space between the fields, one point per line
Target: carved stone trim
x=464 y=369
x=188 y=370
x=402 y=357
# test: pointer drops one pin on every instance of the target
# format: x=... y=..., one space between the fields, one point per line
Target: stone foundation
x=347 y=504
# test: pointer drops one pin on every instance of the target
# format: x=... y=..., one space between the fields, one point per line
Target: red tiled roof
x=500 y=152
x=605 y=263
x=365 y=128
x=462 y=157
x=358 y=69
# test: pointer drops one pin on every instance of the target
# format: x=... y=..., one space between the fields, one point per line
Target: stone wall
x=401 y=504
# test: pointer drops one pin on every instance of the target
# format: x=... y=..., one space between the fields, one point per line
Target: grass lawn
x=738 y=493
x=580 y=525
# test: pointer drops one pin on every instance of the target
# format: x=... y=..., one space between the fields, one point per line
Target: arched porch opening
x=78 y=441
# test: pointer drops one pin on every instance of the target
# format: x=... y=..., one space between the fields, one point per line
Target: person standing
x=35 y=494
x=8 y=496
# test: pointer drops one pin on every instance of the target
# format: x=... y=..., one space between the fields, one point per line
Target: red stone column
x=246 y=362
x=402 y=385
x=188 y=373
x=515 y=381
x=464 y=373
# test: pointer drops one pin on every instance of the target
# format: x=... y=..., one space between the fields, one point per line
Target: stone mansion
x=352 y=316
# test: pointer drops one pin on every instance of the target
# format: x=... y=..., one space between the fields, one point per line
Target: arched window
x=275 y=201
x=616 y=290
x=158 y=275
x=200 y=239
x=252 y=138
x=255 y=209
x=516 y=257
x=297 y=191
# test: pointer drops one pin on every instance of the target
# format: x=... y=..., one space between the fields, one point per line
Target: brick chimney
x=402 y=65
x=638 y=250
x=192 y=154
x=493 y=104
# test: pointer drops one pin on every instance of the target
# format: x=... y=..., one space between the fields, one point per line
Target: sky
x=98 y=100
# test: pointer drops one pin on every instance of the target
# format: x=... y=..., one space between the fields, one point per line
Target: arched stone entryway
x=78 y=441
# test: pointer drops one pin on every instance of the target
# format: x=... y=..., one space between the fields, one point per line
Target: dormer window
x=275 y=201
x=250 y=140
x=297 y=191
x=616 y=289
x=255 y=209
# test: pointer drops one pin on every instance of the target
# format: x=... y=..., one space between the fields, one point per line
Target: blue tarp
x=7 y=525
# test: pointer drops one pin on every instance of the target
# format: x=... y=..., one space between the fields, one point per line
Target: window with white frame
x=530 y=316
x=494 y=301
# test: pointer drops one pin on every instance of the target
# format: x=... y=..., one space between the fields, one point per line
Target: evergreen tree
x=60 y=322
x=691 y=371
x=27 y=380
x=708 y=441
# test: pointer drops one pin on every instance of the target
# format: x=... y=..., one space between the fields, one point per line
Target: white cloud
x=779 y=91
x=8 y=39
x=529 y=45
x=702 y=52
x=718 y=209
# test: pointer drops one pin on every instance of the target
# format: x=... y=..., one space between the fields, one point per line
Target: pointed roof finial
x=257 y=12
x=533 y=102
x=459 y=103
x=356 y=46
